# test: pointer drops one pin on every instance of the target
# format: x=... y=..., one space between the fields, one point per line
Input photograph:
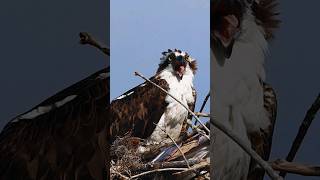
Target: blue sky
x=142 y=29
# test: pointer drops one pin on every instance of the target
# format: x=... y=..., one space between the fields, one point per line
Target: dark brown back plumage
x=137 y=112
x=69 y=142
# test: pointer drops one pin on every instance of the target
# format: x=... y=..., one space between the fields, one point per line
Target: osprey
x=146 y=112
x=239 y=34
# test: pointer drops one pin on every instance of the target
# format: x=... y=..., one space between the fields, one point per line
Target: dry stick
x=184 y=157
x=85 y=38
x=158 y=170
x=156 y=149
x=200 y=131
x=119 y=174
x=200 y=114
x=162 y=165
x=302 y=131
x=204 y=164
x=295 y=168
x=192 y=113
x=265 y=165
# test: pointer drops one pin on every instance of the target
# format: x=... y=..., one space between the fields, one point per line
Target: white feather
x=44 y=109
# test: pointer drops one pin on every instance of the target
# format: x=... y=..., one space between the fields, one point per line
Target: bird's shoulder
x=144 y=90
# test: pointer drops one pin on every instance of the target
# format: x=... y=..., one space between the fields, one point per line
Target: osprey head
x=226 y=17
x=178 y=62
x=226 y=21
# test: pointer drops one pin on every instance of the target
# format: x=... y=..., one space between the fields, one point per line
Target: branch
x=158 y=170
x=295 y=168
x=265 y=165
x=161 y=165
x=201 y=165
x=200 y=131
x=119 y=174
x=156 y=149
x=200 y=114
x=302 y=131
x=192 y=113
x=85 y=38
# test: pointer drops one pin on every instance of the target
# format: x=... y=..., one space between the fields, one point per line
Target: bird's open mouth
x=180 y=72
x=230 y=29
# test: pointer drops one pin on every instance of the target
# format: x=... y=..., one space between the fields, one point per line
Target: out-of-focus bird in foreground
x=239 y=34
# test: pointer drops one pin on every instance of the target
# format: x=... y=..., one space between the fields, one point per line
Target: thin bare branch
x=192 y=113
x=162 y=165
x=265 y=165
x=295 y=168
x=201 y=165
x=200 y=114
x=119 y=174
x=200 y=131
x=157 y=170
x=85 y=38
x=302 y=131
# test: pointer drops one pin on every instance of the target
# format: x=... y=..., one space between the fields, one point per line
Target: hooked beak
x=228 y=32
x=180 y=71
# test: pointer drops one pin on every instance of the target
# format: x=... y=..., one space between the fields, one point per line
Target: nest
x=166 y=161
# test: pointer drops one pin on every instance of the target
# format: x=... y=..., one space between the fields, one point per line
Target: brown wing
x=138 y=109
x=64 y=137
x=262 y=141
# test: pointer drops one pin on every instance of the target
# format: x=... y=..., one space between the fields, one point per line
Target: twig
x=158 y=170
x=154 y=150
x=200 y=114
x=295 y=168
x=302 y=131
x=203 y=105
x=119 y=174
x=192 y=113
x=203 y=164
x=184 y=157
x=200 y=131
x=85 y=38
x=161 y=165
x=265 y=165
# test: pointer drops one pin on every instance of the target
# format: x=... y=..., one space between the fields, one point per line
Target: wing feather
x=137 y=110
x=60 y=137
x=262 y=141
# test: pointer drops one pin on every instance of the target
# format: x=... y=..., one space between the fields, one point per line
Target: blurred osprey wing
x=262 y=141
x=63 y=137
